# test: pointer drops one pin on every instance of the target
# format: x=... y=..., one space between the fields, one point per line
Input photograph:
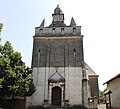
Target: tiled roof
x=117 y=76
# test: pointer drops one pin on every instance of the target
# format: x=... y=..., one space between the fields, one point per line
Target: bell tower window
x=74 y=30
x=53 y=30
x=41 y=30
x=62 y=30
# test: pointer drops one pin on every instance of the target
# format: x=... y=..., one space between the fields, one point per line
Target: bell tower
x=58 y=63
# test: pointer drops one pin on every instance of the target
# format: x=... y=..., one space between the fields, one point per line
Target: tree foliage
x=101 y=96
x=15 y=77
x=1 y=26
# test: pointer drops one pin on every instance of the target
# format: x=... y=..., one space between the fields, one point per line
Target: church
x=60 y=75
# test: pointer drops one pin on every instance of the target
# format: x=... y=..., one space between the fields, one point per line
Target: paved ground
x=102 y=106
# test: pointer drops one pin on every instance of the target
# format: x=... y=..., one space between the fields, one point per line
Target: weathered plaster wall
x=114 y=86
x=73 y=84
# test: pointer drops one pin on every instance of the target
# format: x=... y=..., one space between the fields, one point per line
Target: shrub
x=78 y=107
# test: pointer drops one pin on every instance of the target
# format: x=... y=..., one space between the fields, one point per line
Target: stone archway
x=56 y=96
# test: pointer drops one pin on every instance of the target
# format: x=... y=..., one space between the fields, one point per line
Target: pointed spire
x=72 y=23
x=43 y=23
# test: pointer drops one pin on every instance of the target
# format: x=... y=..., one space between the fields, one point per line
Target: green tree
x=15 y=77
x=102 y=97
x=1 y=26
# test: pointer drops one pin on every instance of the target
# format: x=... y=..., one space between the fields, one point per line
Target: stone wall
x=73 y=84
x=59 y=31
x=57 y=52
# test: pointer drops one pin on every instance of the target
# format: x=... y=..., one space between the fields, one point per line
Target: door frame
x=50 y=86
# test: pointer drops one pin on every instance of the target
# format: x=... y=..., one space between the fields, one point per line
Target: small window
x=41 y=30
x=74 y=52
x=53 y=30
x=62 y=30
x=74 y=30
x=39 y=50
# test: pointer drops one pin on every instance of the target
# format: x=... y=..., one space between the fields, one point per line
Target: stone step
x=55 y=107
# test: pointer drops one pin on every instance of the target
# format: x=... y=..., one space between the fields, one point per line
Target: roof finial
x=58 y=10
x=58 y=6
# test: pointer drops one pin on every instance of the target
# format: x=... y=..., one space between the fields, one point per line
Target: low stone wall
x=18 y=103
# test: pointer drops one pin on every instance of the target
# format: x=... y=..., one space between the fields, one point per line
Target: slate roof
x=91 y=72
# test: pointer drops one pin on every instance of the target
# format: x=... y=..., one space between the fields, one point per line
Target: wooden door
x=56 y=96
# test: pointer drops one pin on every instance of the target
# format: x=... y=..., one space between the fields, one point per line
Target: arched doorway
x=56 y=96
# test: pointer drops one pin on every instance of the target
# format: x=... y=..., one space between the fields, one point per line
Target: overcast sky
x=100 y=21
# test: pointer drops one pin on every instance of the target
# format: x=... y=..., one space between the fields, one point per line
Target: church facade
x=60 y=75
